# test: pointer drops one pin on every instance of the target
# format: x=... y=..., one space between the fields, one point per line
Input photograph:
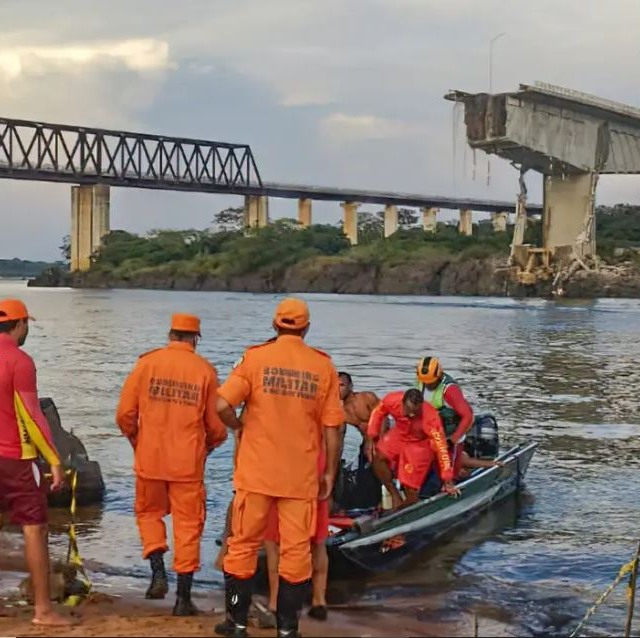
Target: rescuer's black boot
x=290 y=600
x=238 y=601
x=184 y=606
x=159 y=585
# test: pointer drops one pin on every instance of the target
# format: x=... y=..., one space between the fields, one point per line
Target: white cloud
x=135 y=55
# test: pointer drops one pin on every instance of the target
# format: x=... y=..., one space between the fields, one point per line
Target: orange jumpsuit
x=411 y=445
x=168 y=411
x=290 y=392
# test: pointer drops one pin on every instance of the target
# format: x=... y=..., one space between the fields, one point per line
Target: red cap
x=292 y=313
x=13 y=310
x=185 y=323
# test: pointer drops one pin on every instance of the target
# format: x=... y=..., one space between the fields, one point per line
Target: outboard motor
x=483 y=441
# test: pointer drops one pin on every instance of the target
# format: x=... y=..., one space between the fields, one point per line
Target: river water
x=563 y=374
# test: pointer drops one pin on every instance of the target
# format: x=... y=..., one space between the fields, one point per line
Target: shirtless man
x=357 y=406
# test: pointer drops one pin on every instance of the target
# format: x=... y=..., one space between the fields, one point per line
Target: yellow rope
x=624 y=570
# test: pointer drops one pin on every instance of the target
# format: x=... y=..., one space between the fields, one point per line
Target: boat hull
x=392 y=540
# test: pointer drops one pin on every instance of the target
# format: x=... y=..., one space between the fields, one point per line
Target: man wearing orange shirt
x=410 y=447
x=168 y=412
x=292 y=403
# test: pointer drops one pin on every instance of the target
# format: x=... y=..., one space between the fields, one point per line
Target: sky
x=327 y=92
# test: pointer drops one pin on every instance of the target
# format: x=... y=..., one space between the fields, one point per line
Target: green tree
x=230 y=220
x=65 y=249
x=370 y=227
x=407 y=217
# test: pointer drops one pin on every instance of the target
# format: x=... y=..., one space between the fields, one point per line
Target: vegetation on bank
x=23 y=268
x=227 y=249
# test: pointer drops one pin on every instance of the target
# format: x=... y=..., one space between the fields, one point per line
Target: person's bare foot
x=396 y=502
x=53 y=619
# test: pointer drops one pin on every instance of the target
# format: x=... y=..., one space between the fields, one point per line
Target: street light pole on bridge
x=491 y=60
x=495 y=37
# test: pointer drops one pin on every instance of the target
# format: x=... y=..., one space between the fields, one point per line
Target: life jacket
x=450 y=418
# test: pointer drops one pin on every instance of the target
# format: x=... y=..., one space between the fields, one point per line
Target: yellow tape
x=73 y=555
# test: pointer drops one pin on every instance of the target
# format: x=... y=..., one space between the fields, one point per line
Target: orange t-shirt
x=168 y=411
x=290 y=392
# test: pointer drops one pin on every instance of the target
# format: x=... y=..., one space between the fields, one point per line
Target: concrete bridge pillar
x=350 y=226
x=304 y=212
x=390 y=220
x=568 y=213
x=256 y=211
x=499 y=221
x=465 y=227
x=430 y=219
x=90 y=213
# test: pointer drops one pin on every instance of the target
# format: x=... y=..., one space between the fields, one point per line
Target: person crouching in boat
x=445 y=395
x=409 y=447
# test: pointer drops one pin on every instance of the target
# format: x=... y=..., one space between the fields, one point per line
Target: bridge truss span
x=80 y=155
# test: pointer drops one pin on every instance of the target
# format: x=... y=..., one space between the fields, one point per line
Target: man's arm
x=455 y=399
x=371 y=401
x=232 y=393
x=216 y=433
x=378 y=415
x=227 y=414
x=332 y=419
x=432 y=426
x=28 y=410
x=333 y=446
x=128 y=406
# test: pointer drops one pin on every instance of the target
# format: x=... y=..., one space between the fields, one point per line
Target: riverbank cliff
x=434 y=275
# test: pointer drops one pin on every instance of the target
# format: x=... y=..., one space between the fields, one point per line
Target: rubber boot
x=290 y=600
x=184 y=606
x=159 y=585
x=238 y=601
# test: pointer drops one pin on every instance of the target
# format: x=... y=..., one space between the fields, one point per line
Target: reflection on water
x=563 y=374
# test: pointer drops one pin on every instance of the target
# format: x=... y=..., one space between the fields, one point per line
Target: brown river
x=563 y=374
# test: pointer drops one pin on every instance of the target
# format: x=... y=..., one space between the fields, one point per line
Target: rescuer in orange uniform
x=292 y=402
x=410 y=447
x=168 y=412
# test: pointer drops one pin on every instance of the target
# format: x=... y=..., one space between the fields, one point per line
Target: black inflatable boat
x=90 y=487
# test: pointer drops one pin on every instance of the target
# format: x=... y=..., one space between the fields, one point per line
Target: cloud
x=329 y=93
x=343 y=128
x=135 y=55
x=104 y=83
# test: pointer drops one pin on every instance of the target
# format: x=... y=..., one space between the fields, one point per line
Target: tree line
x=228 y=248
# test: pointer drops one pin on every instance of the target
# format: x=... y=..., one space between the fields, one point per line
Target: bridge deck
x=81 y=155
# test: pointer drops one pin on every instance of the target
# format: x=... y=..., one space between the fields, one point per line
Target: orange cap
x=185 y=323
x=13 y=310
x=292 y=313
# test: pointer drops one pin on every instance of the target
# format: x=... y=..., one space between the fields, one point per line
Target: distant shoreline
x=444 y=276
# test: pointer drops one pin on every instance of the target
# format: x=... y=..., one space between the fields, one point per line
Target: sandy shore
x=121 y=618
x=134 y=616
x=125 y=612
